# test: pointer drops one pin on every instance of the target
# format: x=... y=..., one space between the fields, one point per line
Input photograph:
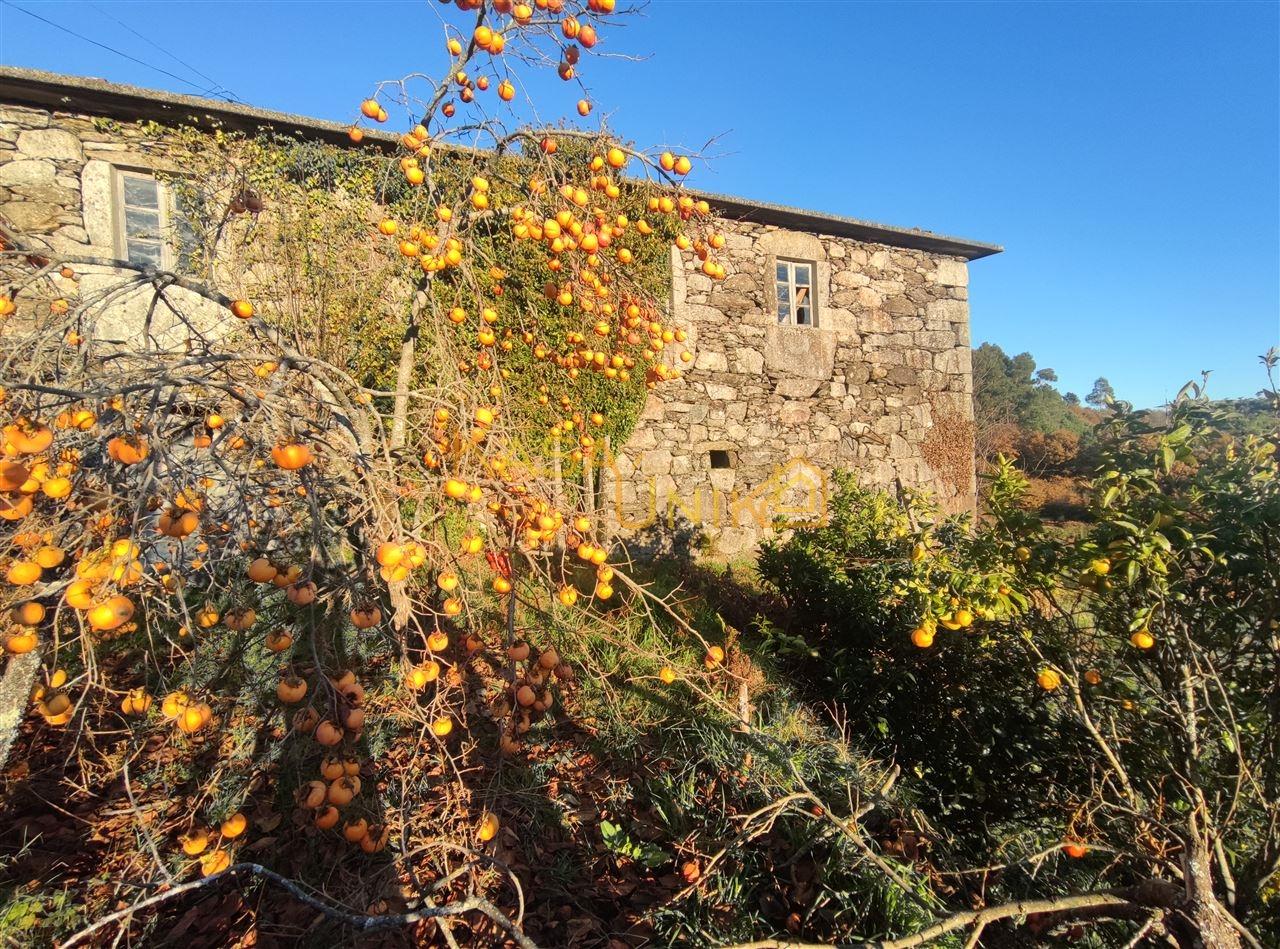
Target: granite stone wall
x=747 y=438
x=57 y=184
x=40 y=167
x=881 y=386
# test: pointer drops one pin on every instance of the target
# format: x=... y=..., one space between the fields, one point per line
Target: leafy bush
x=1121 y=683
x=966 y=722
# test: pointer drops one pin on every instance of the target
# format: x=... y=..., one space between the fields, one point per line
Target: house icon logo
x=794 y=496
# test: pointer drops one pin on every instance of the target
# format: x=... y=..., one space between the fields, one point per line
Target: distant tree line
x=1019 y=412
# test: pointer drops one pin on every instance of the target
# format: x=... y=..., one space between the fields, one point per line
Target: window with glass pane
x=142 y=215
x=794 y=281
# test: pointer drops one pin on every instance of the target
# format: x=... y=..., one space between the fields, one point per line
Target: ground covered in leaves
x=629 y=818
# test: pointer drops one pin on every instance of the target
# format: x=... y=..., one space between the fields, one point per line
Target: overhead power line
x=215 y=87
x=111 y=49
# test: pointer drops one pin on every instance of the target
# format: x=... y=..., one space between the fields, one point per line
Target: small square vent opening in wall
x=721 y=458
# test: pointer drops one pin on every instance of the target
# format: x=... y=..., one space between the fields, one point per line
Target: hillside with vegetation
x=1053 y=437
x=1020 y=414
x=316 y=642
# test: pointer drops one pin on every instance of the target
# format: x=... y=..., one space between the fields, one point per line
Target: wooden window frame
x=793 y=305
x=164 y=207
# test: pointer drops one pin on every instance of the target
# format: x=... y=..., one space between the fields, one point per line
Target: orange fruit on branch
x=291 y=455
x=194 y=717
x=376 y=839
x=342 y=790
x=300 y=594
x=389 y=554
x=261 y=570
x=366 y=617
x=419 y=676
x=23 y=573
x=136 y=702
x=305 y=720
x=312 y=794
x=291 y=689
x=19 y=643
x=331 y=768
x=56 y=704
x=112 y=614
x=28 y=438
x=241 y=618
x=127 y=449
x=13 y=475
x=173 y=704
x=29 y=613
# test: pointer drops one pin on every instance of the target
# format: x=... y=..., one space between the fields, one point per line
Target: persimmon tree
x=221 y=515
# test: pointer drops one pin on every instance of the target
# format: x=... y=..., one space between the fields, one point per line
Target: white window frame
x=793 y=304
x=164 y=206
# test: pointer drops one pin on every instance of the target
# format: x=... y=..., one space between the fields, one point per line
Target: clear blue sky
x=1126 y=155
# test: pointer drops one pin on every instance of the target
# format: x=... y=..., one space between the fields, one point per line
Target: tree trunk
x=404 y=372
x=1202 y=922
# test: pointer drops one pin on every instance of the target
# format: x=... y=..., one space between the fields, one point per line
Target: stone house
x=833 y=343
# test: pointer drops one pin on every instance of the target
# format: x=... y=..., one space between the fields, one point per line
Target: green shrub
x=967 y=721
x=1112 y=689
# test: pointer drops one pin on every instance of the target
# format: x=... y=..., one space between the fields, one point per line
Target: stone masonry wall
x=882 y=386
x=57 y=184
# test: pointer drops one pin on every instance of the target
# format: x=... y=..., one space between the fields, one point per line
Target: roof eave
x=855 y=228
x=34 y=87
